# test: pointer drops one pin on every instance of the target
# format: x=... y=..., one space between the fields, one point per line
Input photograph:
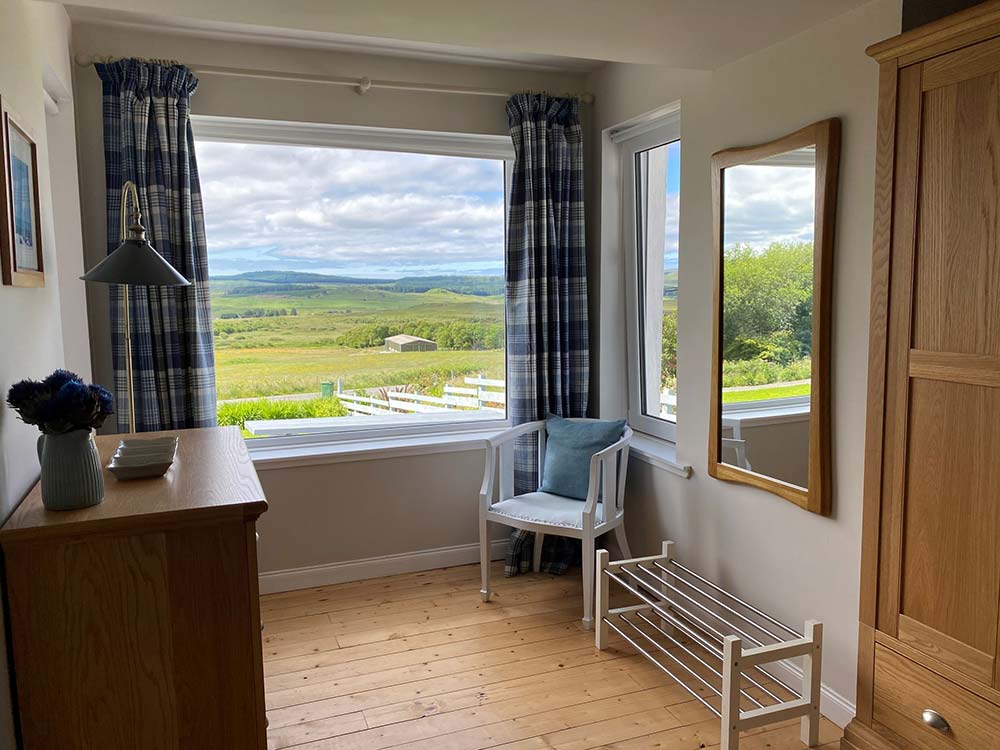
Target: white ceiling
x=572 y=35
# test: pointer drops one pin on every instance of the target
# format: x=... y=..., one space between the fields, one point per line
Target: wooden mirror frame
x=825 y=135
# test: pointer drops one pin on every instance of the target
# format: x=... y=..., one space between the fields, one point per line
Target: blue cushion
x=568 y=451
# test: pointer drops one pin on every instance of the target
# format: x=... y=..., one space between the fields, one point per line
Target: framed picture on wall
x=21 y=235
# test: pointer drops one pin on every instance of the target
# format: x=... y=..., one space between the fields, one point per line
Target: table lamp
x=133 y=263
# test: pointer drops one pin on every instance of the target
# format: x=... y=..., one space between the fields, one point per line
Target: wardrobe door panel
x=940 y=589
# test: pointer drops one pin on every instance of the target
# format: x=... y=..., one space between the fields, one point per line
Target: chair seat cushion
x=545 y=508
x=568 y=449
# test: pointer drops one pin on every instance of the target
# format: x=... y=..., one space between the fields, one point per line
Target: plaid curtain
x=148 y=139
x=548 y=357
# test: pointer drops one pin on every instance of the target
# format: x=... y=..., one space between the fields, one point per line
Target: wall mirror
x=774 y=213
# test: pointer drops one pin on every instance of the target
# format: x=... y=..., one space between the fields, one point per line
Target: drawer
x=904 y=690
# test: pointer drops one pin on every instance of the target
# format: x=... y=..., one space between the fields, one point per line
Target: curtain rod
x=361 y=85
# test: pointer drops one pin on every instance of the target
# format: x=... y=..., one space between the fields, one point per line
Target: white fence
x=477 y=393
x=480 y=394
x=668 y=403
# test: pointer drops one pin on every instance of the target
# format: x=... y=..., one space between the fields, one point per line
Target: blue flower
x=61 y=403
x=105 y=401
x=59 y=378
x=24 y=392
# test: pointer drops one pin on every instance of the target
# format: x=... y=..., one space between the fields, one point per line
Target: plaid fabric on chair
x=558 y=553
x=548 y=356
x=148 y=139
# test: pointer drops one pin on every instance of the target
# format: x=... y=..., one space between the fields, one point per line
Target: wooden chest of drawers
x=904 y=691
x=135 y=623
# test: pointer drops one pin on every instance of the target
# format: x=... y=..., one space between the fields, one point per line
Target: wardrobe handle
x=935 y=720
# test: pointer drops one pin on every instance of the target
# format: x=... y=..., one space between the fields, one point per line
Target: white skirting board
x=376 y=567
x=832 y=704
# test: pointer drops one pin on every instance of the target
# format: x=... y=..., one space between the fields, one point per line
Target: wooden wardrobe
x=928 y=667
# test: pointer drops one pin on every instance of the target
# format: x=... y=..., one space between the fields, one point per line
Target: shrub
x=760 y=372
x=240 y=412
x=468 y=335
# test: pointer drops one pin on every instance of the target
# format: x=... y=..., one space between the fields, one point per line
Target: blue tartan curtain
x=548 y=357
x=148 y=139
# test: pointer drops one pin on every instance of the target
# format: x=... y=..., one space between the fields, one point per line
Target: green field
x=761 y=394
x=283 y=336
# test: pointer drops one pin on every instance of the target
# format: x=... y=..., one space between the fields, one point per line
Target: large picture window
x=651 y=204
x=354 y=288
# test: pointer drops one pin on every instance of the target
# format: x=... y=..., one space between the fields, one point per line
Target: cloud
x=350 y=211
x=766 y=203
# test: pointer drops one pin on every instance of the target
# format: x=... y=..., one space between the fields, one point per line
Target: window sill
x=271 y=457
x=658 y=453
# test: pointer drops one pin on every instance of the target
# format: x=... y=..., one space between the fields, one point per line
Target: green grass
x=267 y=372
x=269 y=356
x=760 y=394
x=740 y=372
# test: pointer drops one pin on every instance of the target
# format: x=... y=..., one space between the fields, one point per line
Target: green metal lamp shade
x=136 y=262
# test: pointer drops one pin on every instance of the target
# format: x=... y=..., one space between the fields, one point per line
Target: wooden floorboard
x=418 y=662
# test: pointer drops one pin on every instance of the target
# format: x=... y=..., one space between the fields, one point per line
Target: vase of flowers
x=66 y=410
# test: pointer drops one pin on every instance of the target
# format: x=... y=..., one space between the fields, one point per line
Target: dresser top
x=212 y=477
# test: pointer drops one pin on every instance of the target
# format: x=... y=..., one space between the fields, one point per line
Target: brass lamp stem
x=128 y=363
x=135 y=230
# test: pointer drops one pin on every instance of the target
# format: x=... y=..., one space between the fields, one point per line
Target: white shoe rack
x=691 y=628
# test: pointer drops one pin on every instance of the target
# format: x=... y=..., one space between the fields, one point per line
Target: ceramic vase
x=71 y=470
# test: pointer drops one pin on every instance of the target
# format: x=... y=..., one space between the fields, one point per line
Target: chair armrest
x=486 y=490
x=493 y=445
x=515 y=432
x=614 y=447
x=606 y=454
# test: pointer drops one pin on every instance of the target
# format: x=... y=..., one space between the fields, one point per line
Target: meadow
x=285 y=335
x=279 y=334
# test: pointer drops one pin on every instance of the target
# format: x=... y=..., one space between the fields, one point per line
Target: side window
x=651 y=176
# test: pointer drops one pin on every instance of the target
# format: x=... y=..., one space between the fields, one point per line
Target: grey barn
x=406 y=343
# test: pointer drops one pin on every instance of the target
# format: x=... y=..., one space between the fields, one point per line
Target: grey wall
x=355 y=510
x=794 y=563
x=33 y=37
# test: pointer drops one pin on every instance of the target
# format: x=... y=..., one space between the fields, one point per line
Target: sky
x=671 y=244
x=350 y=212
x=767 y=203
x=386 y=215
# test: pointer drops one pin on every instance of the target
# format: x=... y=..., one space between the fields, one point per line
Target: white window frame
x=473 y=145
x=664 y=128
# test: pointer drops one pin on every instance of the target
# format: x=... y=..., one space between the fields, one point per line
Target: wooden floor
x=418 y=661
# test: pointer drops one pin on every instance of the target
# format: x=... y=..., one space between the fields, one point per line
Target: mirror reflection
x=767 y=310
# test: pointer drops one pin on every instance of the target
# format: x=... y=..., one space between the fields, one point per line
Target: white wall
x=665 y=32
x=32 y=37
x=796 y=564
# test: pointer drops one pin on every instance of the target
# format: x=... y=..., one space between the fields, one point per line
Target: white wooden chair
x=546 y=513
x=739 y=447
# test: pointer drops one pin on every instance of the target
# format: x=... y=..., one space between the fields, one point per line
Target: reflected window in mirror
x=774 y=208
x=651 y=177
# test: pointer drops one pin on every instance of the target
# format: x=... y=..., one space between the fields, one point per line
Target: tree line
x=260 y=312
x=473 y=335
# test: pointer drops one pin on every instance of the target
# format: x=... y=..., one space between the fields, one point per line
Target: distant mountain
x=294 y=277
x=483 y=286
x=476 y=285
